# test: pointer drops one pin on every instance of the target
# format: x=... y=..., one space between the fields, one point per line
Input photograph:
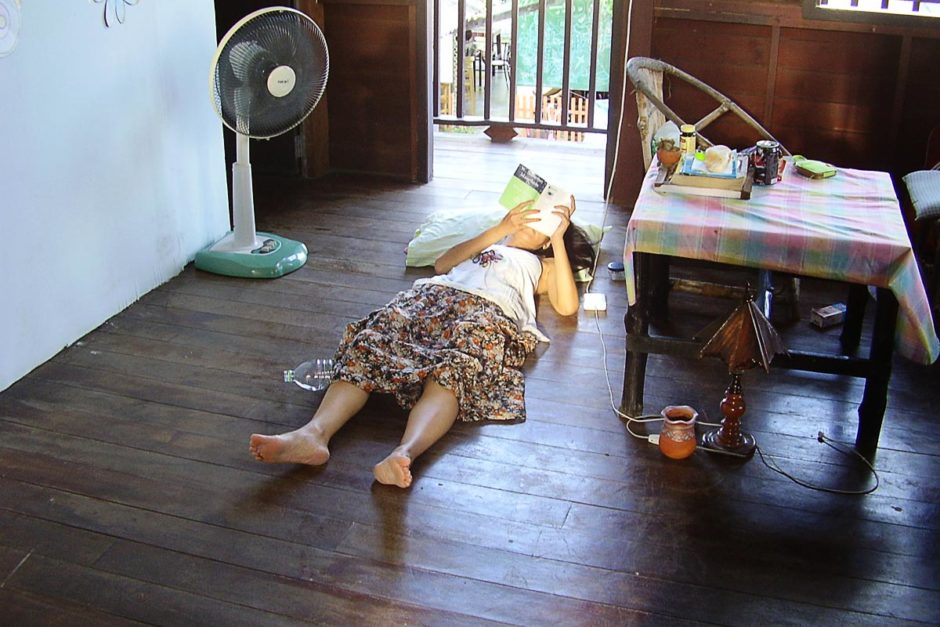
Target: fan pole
x=243 y=210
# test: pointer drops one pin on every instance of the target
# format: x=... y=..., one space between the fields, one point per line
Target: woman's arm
x=557 y=277
x=518 y=217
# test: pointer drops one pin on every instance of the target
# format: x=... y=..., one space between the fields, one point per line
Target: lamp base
x=744 y=448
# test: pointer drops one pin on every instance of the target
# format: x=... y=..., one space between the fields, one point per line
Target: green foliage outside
x=581 y=25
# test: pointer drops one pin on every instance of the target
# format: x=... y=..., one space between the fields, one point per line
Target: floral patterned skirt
x=462 y=341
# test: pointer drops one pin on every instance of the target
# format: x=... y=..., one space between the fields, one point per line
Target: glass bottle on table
x=687 y=142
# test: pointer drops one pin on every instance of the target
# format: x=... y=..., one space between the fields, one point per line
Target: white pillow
x=447 y=227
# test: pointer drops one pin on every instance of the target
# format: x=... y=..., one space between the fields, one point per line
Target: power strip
x=595 y=301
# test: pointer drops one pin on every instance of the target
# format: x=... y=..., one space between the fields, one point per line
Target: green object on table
x=812 y=168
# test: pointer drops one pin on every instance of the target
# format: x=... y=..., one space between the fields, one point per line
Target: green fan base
x=287 y=256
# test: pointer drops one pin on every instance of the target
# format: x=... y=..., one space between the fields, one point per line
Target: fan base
x=277 y=257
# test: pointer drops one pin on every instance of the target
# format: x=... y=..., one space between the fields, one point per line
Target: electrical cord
x=823 y=438
x=772 y=465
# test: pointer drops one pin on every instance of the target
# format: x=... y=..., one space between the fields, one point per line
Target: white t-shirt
x=503 y=275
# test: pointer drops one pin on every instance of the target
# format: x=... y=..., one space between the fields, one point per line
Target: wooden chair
x=647 y=76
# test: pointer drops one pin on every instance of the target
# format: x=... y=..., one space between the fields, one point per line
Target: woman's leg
x=308 y=445
x=430 y=418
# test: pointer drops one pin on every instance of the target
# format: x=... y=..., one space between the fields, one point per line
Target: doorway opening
x=533 y=73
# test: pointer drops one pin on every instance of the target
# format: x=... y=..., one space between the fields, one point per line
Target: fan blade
x=247 y=59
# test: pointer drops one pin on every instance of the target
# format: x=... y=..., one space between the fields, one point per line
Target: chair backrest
x=932 y=159
x=647 y=77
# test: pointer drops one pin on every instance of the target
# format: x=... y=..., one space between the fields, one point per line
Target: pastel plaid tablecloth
x=847 y=228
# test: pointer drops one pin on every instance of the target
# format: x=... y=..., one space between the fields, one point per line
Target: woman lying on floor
x=451 y=347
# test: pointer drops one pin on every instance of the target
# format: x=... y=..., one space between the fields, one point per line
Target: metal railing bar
x=459 y=78
x=512 y=59
x=436 y=70
x=539 y=62
x=592 y=79
x=566 y=65
x=488 y=60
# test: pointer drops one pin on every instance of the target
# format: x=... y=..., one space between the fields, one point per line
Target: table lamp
x=745 y=340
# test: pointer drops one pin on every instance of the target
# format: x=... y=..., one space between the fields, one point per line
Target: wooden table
x=848 y=228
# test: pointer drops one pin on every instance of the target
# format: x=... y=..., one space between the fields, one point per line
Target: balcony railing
x=527 y=64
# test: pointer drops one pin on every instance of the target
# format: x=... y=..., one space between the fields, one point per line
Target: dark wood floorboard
x=127 y=494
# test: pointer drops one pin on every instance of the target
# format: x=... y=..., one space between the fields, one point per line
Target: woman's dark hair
x=578 y=245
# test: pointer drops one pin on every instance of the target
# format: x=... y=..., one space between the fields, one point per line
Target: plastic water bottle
x=313 y=375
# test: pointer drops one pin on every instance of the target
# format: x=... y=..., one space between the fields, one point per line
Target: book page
x=524 y=185
x=527 y=185
x=548 y=199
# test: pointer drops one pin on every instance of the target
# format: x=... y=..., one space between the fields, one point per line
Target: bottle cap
x=687 y=128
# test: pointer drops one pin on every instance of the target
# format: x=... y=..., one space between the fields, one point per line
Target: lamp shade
x=745 y=340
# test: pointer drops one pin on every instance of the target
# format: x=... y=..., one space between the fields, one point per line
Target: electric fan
x=268 y=74
x=9 y=25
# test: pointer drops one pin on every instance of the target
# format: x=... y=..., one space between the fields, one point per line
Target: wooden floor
x=127 y=493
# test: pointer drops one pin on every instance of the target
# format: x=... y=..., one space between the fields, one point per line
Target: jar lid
x=687 y=128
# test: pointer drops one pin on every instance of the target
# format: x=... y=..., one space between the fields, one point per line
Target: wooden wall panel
x=801 y=82
x=921 y=112
x=702 y=47
x=316 y=128
x=374 y=117
x=834 y=95
x=732 y=58
x=862 y=55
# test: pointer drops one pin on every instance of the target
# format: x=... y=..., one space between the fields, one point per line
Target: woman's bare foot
x=394 y=470
x=295 y=447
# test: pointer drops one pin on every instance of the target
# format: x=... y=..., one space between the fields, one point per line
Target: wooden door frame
x=424 y=75
x=633 y=29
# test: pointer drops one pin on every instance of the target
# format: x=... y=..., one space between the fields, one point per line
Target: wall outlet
x=595 y=302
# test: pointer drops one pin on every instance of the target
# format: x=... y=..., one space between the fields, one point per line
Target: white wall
x=112 y=166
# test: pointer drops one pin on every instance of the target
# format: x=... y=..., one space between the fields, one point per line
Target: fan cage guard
x=9 y=26
x=258 y=45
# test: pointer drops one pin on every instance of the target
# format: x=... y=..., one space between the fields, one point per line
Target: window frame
x=812 y=11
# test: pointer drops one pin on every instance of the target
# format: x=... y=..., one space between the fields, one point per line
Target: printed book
x=698 y=176
x=738 y=186
x=527 y=185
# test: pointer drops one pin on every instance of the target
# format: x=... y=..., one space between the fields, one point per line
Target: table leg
x=854 y=314
x=636 y=321
x=658 y=279
x=871 y=411
x=765 y=293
